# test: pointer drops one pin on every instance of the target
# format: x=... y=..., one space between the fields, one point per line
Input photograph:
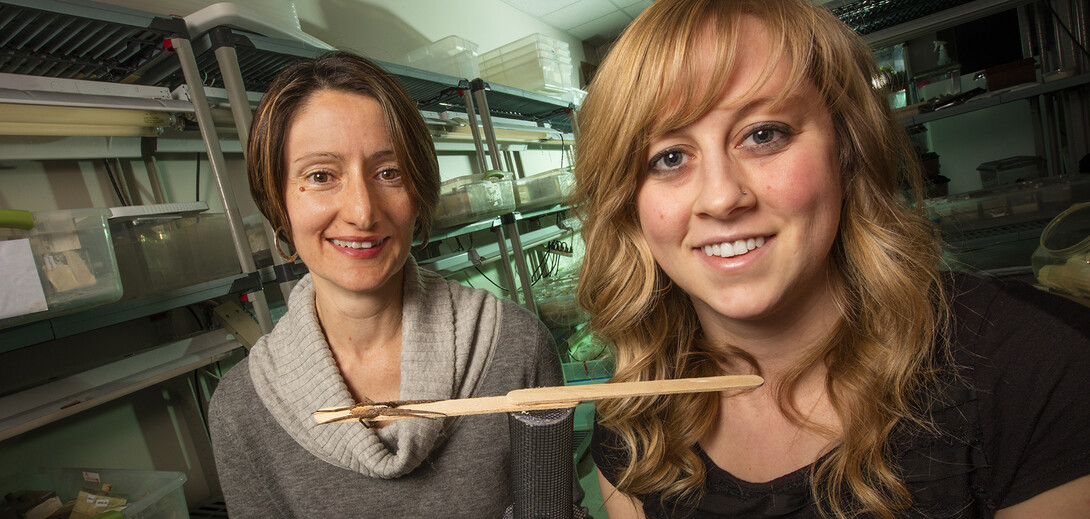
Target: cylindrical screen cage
x=541 y=464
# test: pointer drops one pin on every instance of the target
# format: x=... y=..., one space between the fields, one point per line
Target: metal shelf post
x=184 y=50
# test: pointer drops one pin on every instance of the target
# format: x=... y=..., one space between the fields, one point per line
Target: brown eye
x=389 y=174
x=319 y=177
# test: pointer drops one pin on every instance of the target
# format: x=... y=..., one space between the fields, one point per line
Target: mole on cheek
x=301 y=189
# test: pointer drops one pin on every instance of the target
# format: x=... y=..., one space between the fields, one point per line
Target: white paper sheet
x=22 y=292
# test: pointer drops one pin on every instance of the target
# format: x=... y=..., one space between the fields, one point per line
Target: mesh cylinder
x=541 y=463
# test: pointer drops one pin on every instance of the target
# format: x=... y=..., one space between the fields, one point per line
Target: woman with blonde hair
x=740 y=180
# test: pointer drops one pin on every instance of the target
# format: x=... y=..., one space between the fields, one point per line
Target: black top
x=1014 y=423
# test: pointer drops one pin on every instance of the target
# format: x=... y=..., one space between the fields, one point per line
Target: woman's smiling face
x=351 y=215
x=741 y=207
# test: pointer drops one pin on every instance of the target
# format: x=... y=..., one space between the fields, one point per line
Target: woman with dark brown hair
x=740 y=182
x=341 y=163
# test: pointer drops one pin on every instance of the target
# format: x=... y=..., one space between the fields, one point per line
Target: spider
x=368 y=410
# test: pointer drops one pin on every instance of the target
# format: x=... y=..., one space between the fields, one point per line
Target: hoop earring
x=276 y=244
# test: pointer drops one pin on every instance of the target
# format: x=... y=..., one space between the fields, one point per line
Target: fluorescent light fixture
x=20 y=119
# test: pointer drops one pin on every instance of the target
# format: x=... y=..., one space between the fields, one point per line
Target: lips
x=728 y=249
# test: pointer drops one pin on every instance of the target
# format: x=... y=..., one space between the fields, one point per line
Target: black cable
x=197 y=197
x=113 y=182
x=199 y=397
x=1048 y=3
x=200 y=322
x=489 y=279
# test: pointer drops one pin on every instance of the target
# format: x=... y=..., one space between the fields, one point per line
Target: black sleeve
x=1031 y=362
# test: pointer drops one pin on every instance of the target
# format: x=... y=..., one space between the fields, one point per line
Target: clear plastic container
x=161 y=253
x=452 y=56
x=469 y=199
x=1010 y=170
x=1062 y=260
x=149 y=494
x=543 y=189
x=75 y=263
x=536 y=63
x=1040 y=199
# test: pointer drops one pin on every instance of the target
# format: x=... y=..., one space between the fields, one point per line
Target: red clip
x=168 y=44
x=244 y=297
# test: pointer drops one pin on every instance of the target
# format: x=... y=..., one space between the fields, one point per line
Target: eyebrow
x=378 y=155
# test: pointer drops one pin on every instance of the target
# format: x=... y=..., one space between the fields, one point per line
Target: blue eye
x=763 y=136
x=667 y=160
x=767 y=135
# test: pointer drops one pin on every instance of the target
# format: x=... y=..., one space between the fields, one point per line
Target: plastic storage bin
x=1010 y=170
x=452 y=56
x=471 y=198
x=1042 y=199
x=543 y=190
x=149 y=494
x=1062 y=261
x=75 y=264
x=536 y=63
x=161 y=253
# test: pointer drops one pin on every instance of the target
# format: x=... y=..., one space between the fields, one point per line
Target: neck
x=356 y=322
x=781 y=341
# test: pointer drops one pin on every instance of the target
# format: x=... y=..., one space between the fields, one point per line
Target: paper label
x=92 y=477
x=23 y=293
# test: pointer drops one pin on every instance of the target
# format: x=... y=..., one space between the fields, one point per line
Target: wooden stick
x=534 y=399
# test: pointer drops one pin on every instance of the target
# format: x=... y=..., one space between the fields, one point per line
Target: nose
x=721 y=187
x=359 y=203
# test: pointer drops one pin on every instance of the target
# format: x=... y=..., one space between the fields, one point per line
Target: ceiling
x=593 y=21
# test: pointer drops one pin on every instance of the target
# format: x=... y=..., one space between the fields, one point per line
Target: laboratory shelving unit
x=1058 y=102
x=85 y=54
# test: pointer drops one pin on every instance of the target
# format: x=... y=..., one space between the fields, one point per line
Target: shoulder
x=991 y=313
x=1025 y=354
x=233 y=407
x=234 y=393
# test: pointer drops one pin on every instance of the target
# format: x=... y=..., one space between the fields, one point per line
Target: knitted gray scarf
x=448 y=336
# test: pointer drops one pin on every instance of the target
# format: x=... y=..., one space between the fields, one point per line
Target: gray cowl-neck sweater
x=294 y=373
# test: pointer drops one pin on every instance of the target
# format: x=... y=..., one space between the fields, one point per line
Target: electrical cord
x=197 y=196
x=113 y=182
x=488 y=278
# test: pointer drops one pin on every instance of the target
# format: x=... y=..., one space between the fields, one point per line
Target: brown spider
x=368 y=410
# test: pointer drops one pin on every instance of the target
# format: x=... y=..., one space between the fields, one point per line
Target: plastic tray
x=161 y=253
x=75 y=263
x=464 y=200
x=452 y=56
x=543 y=189
x=536 y=63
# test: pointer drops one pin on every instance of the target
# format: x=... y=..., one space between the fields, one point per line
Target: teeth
x=354 y=244
x=728 y=249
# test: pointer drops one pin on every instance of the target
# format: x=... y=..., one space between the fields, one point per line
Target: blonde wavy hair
x=881 y=358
